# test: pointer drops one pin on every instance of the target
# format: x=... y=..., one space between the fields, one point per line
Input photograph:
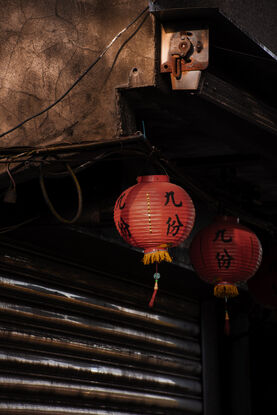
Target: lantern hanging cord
x=156 y=287
x=50 y=205
x=105 y=50
x=227 y=319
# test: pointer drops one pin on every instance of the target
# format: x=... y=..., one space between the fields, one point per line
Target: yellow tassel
x=225 y=290
x=156 y=256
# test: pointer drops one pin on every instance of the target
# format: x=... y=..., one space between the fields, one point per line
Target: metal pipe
x=73 y=347
x=87 y=326
x=87 y=392
x=89 y=145
x=45 y=267
x=97 y=372
x=14 y=408
x=88 y=303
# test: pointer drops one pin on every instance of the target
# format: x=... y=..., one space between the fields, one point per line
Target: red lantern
x=225 y=253
x=154 y=215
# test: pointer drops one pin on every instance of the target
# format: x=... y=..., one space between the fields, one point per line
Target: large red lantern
x=154 y=215
x=225 y=253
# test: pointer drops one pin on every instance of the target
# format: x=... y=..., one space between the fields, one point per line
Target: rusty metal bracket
x=185 y=50
x=176 y=66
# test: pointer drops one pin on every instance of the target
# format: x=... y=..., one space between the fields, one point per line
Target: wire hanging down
x=50 y=205
x=80 y=77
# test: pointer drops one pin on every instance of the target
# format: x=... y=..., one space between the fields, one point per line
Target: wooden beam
x=238 y=102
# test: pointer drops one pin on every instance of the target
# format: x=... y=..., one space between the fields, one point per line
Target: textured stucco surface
x=46 y=44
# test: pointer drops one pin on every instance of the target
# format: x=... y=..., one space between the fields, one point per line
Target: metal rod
x=73 y=147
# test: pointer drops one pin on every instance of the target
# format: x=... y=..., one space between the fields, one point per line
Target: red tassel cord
x=156 y=277
x=227 y=320
x=151 y=302
x=227 y=324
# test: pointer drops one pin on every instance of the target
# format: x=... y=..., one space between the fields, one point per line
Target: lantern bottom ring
x=152 y=255
x=225 y=289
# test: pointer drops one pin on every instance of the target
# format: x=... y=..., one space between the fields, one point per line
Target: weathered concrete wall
x=46 y=44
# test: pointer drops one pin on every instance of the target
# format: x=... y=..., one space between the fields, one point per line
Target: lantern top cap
x=153 y=178
x=225 y=218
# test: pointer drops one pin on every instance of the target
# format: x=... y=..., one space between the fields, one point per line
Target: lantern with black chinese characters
x=224 y=254
x=154 y=215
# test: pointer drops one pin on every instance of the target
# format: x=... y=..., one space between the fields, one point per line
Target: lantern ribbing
x=225 y=253
x=154 y=215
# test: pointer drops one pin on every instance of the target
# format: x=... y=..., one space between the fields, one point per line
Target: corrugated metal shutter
x=78 y=342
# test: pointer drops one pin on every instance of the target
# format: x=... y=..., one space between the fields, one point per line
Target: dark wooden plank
x=238 y=102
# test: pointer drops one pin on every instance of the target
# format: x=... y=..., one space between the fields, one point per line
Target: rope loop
x=49 y=203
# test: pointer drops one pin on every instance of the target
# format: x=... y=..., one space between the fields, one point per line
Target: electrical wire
x=50 y=205
x=248 y=55
x=122 y=47
x=79 y=168
x=14 y=227
x=80 y=77
x=11 y=177
x=156 y=158
x=101 y=157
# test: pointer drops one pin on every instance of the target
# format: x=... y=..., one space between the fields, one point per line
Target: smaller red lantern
x=154 y=215
x=224 y=254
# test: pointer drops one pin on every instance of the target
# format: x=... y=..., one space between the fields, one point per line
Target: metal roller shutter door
x=79 y=342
